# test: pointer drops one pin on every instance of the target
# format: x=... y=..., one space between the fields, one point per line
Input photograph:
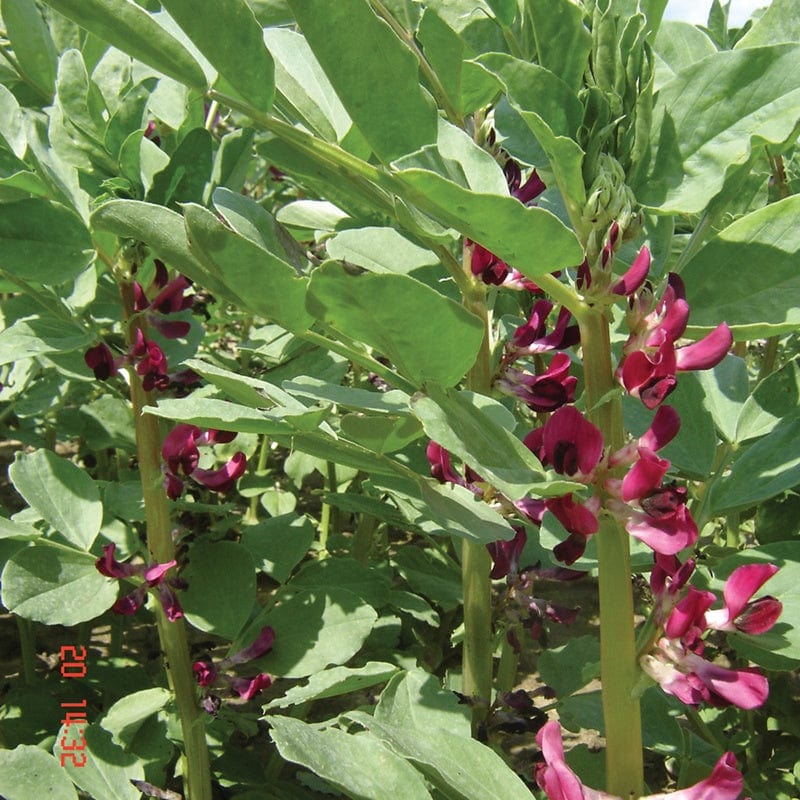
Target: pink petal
x=644 y=476
x=262 y=645
x=575 y=517
x=572 y=444
x=689 y=613
x=180 y=448
x=205 y=672
x=170 y=603
x=248 y=688
x=759 y=616
x=555 y=777
x=666 y=536
x=663 y=429
x=111 y=568
x=635 y=276
x=706 y=353
x=724 y=783
x=155 y=573
x=224 y=478
x=745 y=688
x=743 y=583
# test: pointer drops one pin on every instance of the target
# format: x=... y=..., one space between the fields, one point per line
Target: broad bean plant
x=343 y=344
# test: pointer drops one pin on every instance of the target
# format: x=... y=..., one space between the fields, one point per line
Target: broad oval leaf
x=222 y=587
x=678 y=44
x=130 y=28
x=64 y=494
x=29 y=773
x=360 y=766
x=258 y=280
x=748 y=276
x=775 y=398
x=42 y=241
x=55 y=586
x=707 y=119
x=426 y=335
x=769 y=467
x=313 y=629
x=533 y=240
x=231 y=39
x=32 y=44
x=375 y=75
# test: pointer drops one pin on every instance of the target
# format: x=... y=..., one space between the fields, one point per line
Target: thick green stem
x=507 y=668
x=618 y=662
x=768 y=361
x=476 y=563
x=172 y=635
x=251 y=518
x=27 y=644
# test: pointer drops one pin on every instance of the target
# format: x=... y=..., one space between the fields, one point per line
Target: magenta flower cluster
x=153 y=575
x=182 y=457
x=163 y=298
x=207 y=673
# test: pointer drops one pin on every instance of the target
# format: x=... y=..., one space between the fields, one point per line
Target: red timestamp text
x=73 y=743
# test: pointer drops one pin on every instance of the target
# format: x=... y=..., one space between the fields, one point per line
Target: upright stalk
x=476 y=564
x=618 y=663
x=172 y=635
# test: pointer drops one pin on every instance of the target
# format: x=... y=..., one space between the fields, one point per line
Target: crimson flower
x=207 y=672
x=154 y=576
x=559 y=782
x=181 y=455
x=101 y=361
x=532 y=337
x=740 y=613
x=546 y=392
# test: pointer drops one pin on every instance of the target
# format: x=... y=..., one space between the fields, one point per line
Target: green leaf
x=335 y=682
x=458 y=766
x=430 y=574
x=313 y=629
x=32 y=44
x=279 y=544
x=125 y=718
x=445 y=51
x=510 y=230
x=210 y=413
x=571 y=666
x=43 y=241
x=56 y=587
x=380 y=432
x=303 y=87
x=33 y=336
x=183 y=180
x=708 y=118
x=256 y=279
x=416 y=699
x=29 y=773
x=222 y=587
x=232 y=162
x=386 y=101
x=563 y=42
x=64 y=494
x=441 y=344
x=232 y=41
x=726 y=387
x=131 y=29
x=12 y=126
x=677 y=45
x=766 y=469
x=344 y=573
x=360 y=766
x=393 y=402
x=779 y=23
x=108 y=770
x=162 y=229
x=761 y=249
x=17 y=531
x=775 y=398
x=379 y=250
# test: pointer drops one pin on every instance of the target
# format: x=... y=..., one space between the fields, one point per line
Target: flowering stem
x=618 y=663
x=27 y=644
x=251 y=518
x=476 y=564
x=172 y=635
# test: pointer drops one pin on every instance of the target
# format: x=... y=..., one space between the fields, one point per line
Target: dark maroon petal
x=572 y=443
x=162 y=275
x=173 y=486
x=248 y=688
x=505 y=554
x=532 y=508
x=100 y=360
x=529 y=190
x=534 y=441
x=171 y=330
x=180 y=448
x=575 y=517
x=169 y=602
x=214 y=436
x=205 y=673
x=170 y=299
x=261 y=646
x=111 y=568
x=441 y=469
x=759 y=616
x=130 y=603
x=224 y=478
